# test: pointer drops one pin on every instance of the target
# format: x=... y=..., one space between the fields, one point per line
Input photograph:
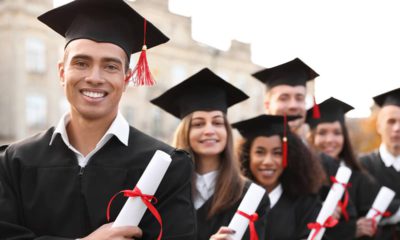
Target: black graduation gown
x=344 y=229
x=45 y=194
x=209 y=226
x=288 y=219
x=390 y=178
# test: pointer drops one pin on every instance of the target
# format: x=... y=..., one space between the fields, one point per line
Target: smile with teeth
x=93 y=94
x=267 y=172
x=208 y=141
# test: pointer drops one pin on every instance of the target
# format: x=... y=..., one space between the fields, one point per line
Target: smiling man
x=57 y=184
x=286 y=91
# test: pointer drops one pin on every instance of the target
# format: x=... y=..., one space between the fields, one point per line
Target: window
x=35 y=55
x=36 y=111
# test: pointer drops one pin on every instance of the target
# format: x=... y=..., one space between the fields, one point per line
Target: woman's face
x=266 y=161
x=329 y=138
x=208 y=134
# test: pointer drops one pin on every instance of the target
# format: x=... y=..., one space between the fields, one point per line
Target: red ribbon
x=284 y=143
x=146 y=199
x=329 y=223
x=252 y=218
x=379 y=213
x=343 y=204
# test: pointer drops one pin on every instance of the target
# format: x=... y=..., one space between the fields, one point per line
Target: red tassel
x=141 y=74
x=316 y=112
x=284 y=143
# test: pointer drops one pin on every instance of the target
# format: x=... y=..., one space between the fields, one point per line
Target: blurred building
x=31 y=98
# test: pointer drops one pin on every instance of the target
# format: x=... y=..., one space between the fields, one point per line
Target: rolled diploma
x=335 y=194
x=381 y=202
x=134 y=209
x=249 y=206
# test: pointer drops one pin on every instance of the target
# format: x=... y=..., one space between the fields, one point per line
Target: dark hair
x=346 y=153
x=304 y=173
x=230 y=183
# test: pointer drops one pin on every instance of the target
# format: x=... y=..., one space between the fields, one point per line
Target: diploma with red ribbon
x=335 y=194
x=343 y=204
x=141 y=197
x=381 y=203
x=246 y=214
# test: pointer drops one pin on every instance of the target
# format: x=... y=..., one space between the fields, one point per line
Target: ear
x=128 y=76
x=61 y=72
x=266 y=104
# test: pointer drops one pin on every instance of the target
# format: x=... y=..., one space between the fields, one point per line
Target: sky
x=353 y=44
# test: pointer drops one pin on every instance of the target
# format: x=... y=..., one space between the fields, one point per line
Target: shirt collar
x=388 y=159
x=275 y=194
x=207 y=180
x=118 y=128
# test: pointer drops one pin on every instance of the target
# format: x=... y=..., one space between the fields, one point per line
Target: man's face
x=388 y=127
x=93 y=76
x=285 y=99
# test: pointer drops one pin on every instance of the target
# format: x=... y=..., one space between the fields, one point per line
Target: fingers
x=223 y=233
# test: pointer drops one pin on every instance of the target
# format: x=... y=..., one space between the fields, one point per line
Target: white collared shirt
x=275 y=194
x=205 y=187
x=118 y=128
x=388 y=159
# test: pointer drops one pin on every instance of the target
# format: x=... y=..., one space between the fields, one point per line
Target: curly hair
x=230 y=183
x=304 y=173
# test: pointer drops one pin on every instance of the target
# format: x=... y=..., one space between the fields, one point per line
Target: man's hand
x=116 y=233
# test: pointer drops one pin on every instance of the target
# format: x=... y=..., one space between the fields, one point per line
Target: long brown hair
x=229 y=185
x=304 y=173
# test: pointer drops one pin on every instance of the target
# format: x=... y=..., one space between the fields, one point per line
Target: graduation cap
x=292 y=73
x=203 y=91
x=266 y=125
x=389 y=98
x=331 y=109
x=111 y=21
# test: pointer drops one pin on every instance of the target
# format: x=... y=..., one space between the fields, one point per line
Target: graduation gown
x=209 y=226
x=344 y=229
x=288 y=219
x=45 y=194
x=390 y=178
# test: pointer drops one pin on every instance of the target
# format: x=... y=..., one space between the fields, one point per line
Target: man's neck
x=84 y=134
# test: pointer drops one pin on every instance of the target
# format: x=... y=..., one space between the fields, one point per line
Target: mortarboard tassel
x=284 y=143
x=141 y=74
x=316 y=112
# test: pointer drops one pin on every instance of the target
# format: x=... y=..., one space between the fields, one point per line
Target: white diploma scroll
x=134 y=208
x=381 y=203
x=249 y=206
x=335 y=194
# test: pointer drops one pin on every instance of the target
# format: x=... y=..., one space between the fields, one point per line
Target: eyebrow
x=105 y=59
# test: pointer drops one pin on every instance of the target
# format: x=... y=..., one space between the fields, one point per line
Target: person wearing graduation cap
x=201 y=102
x=286 y=91
x=384 y=163
x=57 y=184
x=329 y=135
x=274 y=157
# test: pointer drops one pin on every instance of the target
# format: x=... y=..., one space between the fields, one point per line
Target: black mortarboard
x=263 y=125
x=331 y=110
x=202 y=91
x=292 y=73
x=266 y=125
x=388 y=98
x=111 y=21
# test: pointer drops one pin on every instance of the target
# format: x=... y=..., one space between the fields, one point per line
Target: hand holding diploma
x=141 y=196
x=246 y=213
x=324 y=218
x=381 y=203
